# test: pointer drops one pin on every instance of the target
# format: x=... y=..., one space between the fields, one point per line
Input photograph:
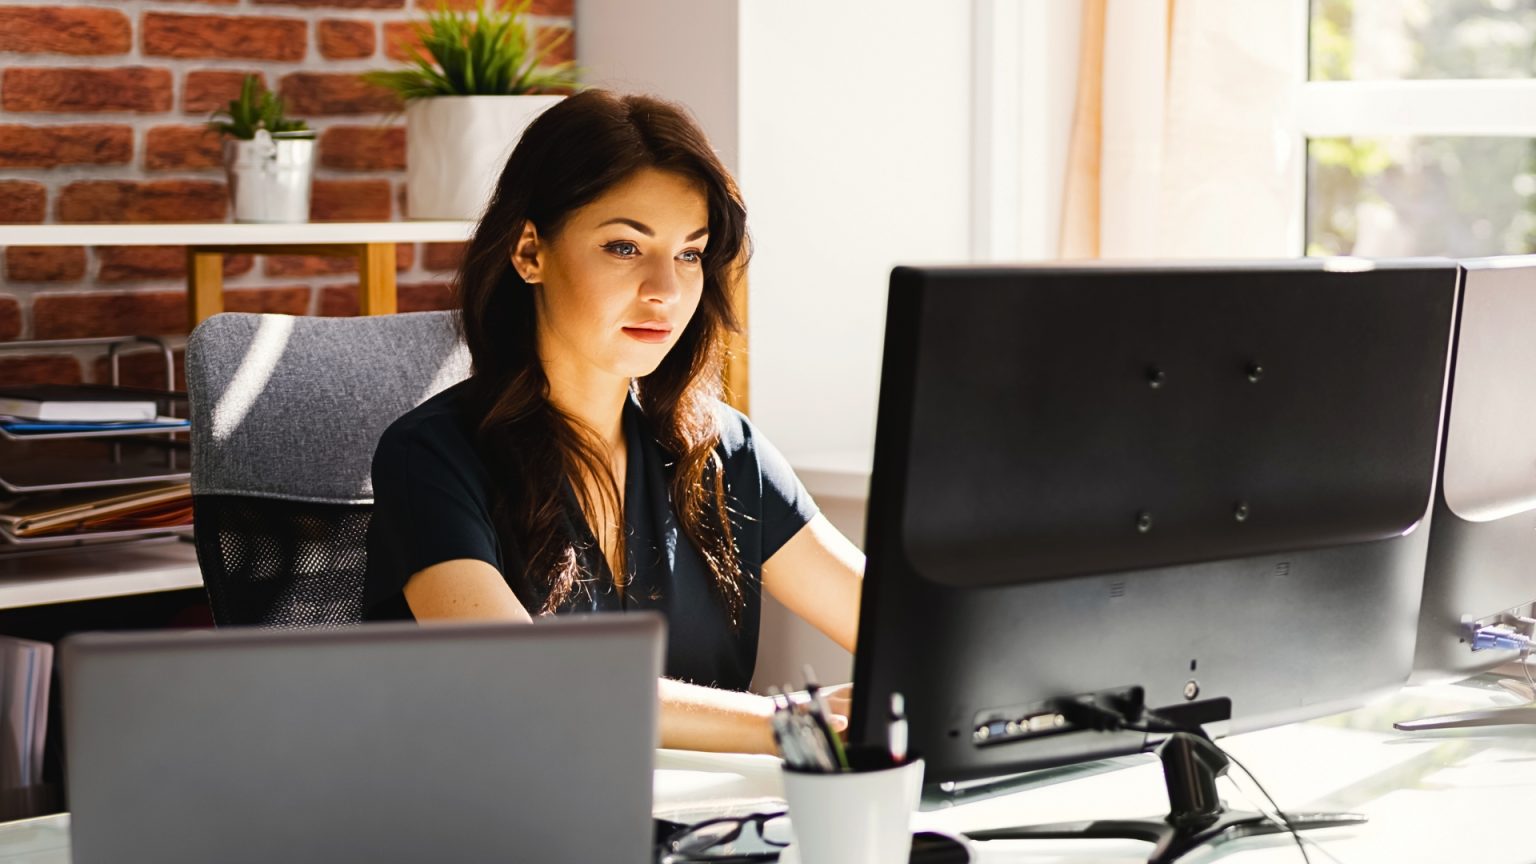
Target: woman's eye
x=623 y=249
x=692 y=256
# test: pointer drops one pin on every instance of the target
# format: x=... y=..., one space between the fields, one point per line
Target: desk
x=371 y=243
x=1431 y=797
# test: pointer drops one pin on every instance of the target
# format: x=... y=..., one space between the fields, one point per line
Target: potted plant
x=269 y=158
x=475 y=83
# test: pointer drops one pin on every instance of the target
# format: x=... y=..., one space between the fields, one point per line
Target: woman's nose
x=661 y=284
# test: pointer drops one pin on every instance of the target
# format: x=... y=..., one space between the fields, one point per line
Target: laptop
x=385 y=742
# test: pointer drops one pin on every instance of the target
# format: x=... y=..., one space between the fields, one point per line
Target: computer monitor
x=1480 y=579
x=1200 y=487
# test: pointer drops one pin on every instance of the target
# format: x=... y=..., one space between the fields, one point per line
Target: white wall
x=684 y=50
x=855 y=156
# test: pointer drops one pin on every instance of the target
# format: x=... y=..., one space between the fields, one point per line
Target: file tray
x=26 y=467
x=47 y=540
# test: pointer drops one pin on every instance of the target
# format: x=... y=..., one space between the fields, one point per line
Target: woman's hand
x=839 y=699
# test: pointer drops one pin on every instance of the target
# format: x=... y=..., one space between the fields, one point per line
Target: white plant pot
x=456 y=147
x=269 y=178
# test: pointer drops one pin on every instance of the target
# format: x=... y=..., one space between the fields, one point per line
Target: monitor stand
x=1519 y=715
x=1191 y=764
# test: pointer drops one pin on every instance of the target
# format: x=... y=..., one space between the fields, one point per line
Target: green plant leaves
x=477 y=53
x=256 y=108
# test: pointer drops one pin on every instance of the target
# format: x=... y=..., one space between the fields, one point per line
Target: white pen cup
x=859 y=816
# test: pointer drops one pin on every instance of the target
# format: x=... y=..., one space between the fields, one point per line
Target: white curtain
x=1182 y=144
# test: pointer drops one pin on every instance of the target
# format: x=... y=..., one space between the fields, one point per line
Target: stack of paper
x=26 y=668
x=110 y=508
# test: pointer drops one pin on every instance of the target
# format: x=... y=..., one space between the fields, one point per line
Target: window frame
x=1429 y=107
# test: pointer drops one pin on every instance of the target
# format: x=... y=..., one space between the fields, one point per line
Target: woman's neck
x=594 y=398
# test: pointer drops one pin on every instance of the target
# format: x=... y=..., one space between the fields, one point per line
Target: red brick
x=399 y=38
x=140 y=89
x=363 y=148
x=551 y=8
x=564 y=52
x=350 y=201
x=282 y=300
x=151 y=201
x=425 y=297
x=207 y=90
x=22 y=201
x=44 y=263
x=177 y=148
x=10 y=323
x=340 y=301
x=74 y=316
x=345 y=40
x=40 y=30
x=284 y=266
x=143 y=369
x=52 y=146
x=337 y=4
x=139 y=263
x=249 y=36
x=312 y=93
x=443 y=257
x=39 y=369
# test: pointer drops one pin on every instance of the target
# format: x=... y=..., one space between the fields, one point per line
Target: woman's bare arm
x=692 y=717
x=818 y=575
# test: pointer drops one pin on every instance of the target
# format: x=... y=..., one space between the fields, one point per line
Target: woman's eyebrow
x=646 y=229
x=638 y=226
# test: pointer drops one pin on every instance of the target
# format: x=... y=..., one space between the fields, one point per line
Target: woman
x=590 y=440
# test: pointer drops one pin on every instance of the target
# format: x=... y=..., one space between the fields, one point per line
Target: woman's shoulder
x=735 y=430
x=437 y=424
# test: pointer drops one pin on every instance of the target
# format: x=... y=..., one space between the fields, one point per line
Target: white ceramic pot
x=269 y=176
x=456 y=147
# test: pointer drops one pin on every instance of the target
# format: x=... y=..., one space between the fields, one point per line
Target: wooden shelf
x=233 y=234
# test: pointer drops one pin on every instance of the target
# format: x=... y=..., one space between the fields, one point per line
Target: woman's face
x=623 y=276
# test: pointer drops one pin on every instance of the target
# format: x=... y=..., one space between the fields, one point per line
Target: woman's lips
x=648 y=334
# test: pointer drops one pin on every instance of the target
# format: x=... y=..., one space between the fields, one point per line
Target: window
x=1420 y=120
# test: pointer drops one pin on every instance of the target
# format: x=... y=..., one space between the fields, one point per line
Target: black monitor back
x=1482 y=547
x=1208 y=482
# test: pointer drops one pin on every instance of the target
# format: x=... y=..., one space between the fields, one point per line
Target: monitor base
x=1518 y=715
x=1197 y=817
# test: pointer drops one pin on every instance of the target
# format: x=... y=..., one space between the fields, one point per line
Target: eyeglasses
x=696 y=842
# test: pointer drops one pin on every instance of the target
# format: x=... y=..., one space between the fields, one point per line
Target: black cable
x=1164 y=726
x=1284 y=819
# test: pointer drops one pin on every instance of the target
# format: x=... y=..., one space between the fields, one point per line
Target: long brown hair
x=569 y=156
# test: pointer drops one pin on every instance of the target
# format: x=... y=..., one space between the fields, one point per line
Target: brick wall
x=102 y=105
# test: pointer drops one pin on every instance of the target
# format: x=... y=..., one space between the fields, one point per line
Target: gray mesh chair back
x=286 y=413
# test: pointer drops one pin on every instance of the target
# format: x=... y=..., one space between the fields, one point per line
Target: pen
x=813 y=735
x=896 y=733
x=824 y=719
x=784 y=735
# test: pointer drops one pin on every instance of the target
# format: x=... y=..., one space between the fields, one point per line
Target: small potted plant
x=269 y=158
x=478 y=79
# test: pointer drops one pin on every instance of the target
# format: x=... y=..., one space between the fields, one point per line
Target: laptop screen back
x=386 y=742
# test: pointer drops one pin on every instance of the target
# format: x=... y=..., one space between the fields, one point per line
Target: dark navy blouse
x=433 y=498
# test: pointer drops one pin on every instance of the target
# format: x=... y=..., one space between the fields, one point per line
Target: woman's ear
x=527 y=254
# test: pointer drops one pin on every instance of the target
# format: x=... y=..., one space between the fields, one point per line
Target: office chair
x=286 y=413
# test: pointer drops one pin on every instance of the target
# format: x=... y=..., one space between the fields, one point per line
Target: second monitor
x=1200 y=489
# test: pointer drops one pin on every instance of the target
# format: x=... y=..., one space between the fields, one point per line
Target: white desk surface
x=1430 y=797
x=90 y=574
x=233 y=234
